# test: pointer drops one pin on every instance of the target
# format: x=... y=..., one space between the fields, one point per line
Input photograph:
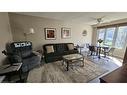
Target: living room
x=60 y=47
x=72 y=30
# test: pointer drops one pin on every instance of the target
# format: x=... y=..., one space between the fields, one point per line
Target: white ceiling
x=79 y=17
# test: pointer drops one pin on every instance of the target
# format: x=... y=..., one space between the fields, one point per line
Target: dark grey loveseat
x=60 y=49
x=22 y=52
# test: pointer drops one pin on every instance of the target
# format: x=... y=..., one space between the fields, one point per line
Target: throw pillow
x=49 y=49
x=70 y=46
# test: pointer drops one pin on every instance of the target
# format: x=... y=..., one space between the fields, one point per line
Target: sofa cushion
x=53 y=54
x=30 y=63
x=70 y=52
x=26 y=53
x=70 y=46
x=49 y=49
x=61 y=48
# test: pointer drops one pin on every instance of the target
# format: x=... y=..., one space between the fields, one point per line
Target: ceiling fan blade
x=103 y=16
x=99 y=20
x=93 y=18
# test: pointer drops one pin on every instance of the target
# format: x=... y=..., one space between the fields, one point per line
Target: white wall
x=5 y=34
x=22 y=23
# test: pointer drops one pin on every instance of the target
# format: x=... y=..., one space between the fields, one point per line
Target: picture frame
x=65 y=32
x=50 y=33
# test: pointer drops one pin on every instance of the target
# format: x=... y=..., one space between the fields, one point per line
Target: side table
x=9 y=70
x=2 y=78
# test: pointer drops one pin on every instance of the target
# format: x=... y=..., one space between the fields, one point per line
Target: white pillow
x=70 y=46
x=49 y=49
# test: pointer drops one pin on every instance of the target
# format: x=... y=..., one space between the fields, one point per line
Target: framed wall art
x=50 y=33
x=65 y=32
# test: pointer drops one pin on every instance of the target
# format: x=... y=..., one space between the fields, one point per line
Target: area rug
x=110 y=63
x=56 y=73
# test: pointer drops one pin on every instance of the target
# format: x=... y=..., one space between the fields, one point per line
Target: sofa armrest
x=75 y=48
x=37 y=54
x=15 y=59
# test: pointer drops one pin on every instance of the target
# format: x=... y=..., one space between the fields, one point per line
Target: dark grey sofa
x=60 y=49
x=22 y=52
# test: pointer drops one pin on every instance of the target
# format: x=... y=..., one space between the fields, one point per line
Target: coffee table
x=73 y=58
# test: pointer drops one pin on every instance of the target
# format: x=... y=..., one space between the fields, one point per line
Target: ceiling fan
x=98 y=19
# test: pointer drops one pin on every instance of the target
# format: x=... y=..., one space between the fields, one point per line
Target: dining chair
x=109 y=51
x=84 y=48
x=93 y=51
x=87 y=45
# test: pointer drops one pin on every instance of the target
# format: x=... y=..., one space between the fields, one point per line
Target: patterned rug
x=56 y=73
x=110 y=63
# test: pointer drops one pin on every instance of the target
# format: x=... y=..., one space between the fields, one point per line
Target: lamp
x=31 y=31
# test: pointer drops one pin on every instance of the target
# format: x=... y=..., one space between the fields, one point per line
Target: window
x=101 y=34
x=114 y=36
x=109 y=36
x=121 y=37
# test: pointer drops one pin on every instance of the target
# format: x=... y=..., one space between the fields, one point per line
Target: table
x=8 y=70
x=99 y=50
x=117 y=76
x=73 y=58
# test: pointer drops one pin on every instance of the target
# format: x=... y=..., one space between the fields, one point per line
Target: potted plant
x=100 y=41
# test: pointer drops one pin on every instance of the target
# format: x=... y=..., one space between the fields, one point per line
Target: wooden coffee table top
x=117 y=76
